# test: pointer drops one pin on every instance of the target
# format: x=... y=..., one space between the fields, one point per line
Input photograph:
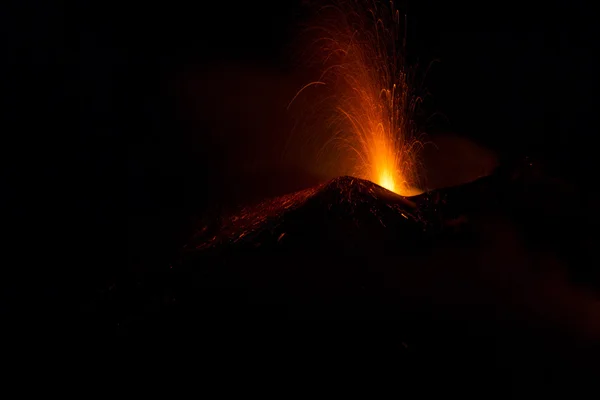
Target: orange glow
x=386 y=180
x=368 y=104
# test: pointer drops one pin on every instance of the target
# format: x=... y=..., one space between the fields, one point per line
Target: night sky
x=516 y=78
x=171 y=103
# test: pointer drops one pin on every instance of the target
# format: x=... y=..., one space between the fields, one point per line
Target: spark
x=368 y=110
x=301 y=90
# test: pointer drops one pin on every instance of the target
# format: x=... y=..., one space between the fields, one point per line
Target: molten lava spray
x=365 y=103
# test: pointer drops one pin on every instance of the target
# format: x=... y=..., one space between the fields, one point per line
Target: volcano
x=347 y=248
x=457 y=281
x=346 y=211
x=440 y=277
x=322 y=245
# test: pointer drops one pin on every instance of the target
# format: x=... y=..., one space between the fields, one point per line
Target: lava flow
x=366 y=100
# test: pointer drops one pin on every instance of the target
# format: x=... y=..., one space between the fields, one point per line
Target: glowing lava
x=387 y=180
x=365 y=98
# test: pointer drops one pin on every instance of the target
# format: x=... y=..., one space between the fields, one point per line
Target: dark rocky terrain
x=477 y=280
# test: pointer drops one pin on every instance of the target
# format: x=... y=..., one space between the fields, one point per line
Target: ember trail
x=366 y=101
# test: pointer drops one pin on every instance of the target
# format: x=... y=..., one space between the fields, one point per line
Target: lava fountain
x=366 y=102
